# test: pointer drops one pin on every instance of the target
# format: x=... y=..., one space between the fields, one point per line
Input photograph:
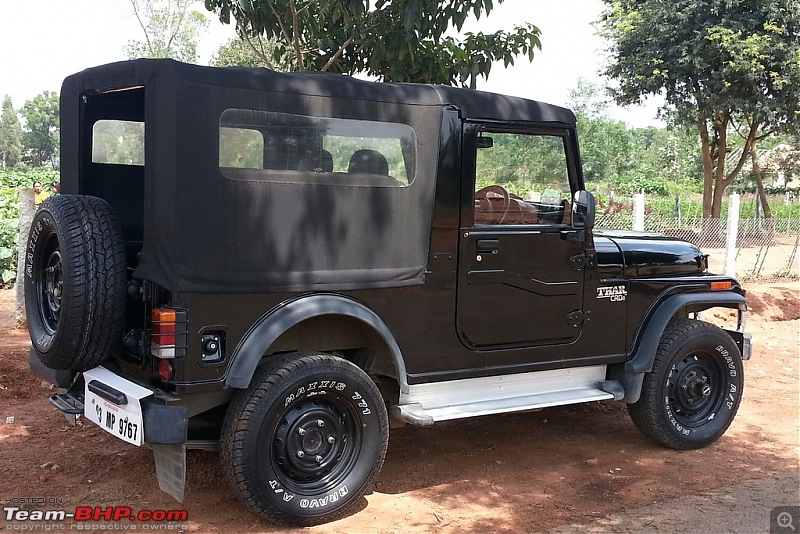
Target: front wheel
x=303 y=444
x=691 y=396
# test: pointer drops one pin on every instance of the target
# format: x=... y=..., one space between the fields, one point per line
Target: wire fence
x=766 y=250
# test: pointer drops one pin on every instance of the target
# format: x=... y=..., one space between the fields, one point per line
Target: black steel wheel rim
x=49 y=284
x=696 y=388
x=315 y=445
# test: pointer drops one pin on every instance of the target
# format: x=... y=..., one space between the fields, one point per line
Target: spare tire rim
x=50 y=286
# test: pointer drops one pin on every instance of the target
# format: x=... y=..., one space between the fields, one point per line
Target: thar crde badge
x=613 y=293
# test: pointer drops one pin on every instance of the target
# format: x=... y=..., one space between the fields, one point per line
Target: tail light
x=168 y=327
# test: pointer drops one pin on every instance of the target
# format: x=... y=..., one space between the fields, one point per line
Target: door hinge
x=577 y=318
x=581 y=260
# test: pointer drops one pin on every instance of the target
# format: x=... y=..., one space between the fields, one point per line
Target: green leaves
x=249 y=51
x=400 y=41
x=721 y=65
x=10 y=183
x=41 y=133
x=171 y=30
x=10 y=135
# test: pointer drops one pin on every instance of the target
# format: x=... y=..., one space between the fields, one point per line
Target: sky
x=43 y=41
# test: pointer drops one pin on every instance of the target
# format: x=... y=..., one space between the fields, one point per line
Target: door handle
x=487 y=246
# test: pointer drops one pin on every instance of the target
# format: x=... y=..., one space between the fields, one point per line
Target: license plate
x=124 y=421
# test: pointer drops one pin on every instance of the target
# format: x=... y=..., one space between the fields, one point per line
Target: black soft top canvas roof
x=203 y=232
x=473 y=104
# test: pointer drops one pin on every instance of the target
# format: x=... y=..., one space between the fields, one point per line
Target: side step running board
x=426 y=404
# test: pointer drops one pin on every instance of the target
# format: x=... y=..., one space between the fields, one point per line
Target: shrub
x=11 y=181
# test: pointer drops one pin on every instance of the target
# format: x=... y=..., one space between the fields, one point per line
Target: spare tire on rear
x=75 y=282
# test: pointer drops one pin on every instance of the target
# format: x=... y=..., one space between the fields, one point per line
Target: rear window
x=118 y=142
x=287 y=148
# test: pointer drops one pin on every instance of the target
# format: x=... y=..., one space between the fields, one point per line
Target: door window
x=521 y=179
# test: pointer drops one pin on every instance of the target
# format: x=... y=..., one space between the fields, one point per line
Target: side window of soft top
x=267 y=146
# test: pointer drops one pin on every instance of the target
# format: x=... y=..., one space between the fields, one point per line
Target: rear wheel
x=303 y=444
x=691 y=396
x=75 y=277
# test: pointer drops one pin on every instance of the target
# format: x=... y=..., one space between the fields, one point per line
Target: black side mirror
x=583 y=210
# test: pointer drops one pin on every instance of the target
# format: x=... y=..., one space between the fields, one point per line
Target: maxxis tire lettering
x=263 y=439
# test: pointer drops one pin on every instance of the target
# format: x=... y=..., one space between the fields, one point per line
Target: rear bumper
x=163 y=425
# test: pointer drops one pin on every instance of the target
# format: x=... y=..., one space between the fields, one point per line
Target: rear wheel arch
x=286 y=328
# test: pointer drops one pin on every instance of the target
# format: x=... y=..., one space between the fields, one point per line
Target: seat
x=316 y=162
x=367 y=161
x=326 y=161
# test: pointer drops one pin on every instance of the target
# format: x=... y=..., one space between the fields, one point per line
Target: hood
x=650 y=254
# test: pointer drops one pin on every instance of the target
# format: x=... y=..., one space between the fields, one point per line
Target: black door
x=520 y=281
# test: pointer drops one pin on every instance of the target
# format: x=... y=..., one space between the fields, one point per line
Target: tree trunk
x=717 y=198
x=721 y=178
x=759 y=183
x=708 y=167
x=721 y=135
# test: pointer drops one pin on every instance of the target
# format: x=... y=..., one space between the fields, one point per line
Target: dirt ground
x=531 y=472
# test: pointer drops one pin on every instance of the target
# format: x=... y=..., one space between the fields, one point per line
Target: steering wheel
x=485 y=195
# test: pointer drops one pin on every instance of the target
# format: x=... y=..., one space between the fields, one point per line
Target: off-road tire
x=75 y=282
x=269 y=425
x=691 y=396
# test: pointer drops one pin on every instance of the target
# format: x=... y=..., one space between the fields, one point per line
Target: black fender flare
x=649 y=337
x=273 y=324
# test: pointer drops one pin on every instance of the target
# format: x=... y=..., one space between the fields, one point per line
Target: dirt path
x=744 y=508
x=562 y=468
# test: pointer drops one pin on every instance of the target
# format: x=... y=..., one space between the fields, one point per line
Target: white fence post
x=732 y=235
x=638 y=212
x=27 y=209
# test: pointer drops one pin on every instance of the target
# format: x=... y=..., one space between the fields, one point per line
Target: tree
x=40 y=136
x=10 y=135
x=605 y=143
x=249 y=51
x=171 y=29
x=401 y=40
x=721 y=65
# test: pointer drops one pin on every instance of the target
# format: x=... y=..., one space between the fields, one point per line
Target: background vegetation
x=11 y=181
x=728 y=69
